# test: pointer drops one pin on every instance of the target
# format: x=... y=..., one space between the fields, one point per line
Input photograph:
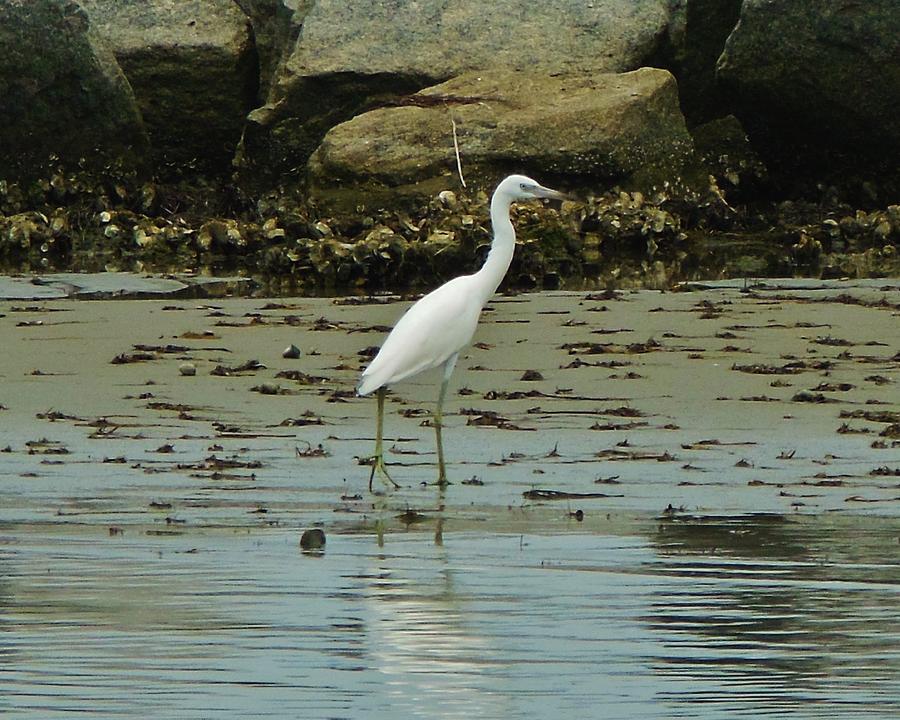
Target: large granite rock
x=194 y=72
x=61 y=93
x=601 y=128
x=818 y=84
x=351 y=57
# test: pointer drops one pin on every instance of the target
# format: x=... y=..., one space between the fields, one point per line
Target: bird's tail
x=367 y=385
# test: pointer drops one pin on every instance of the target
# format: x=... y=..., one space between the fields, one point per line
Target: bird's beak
x=548 y=193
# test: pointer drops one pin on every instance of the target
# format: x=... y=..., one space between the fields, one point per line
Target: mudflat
x=731 y=398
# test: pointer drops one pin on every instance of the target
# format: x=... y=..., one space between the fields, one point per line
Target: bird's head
x=521 y=187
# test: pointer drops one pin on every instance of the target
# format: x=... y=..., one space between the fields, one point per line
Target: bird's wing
x=436 y=327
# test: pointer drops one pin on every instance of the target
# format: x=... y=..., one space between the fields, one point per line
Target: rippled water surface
x=685 y=618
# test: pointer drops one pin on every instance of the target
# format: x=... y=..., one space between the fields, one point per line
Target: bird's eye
x=523 y=186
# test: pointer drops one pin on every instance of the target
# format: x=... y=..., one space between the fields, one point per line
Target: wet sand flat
x=715 y=401
x=650 y=492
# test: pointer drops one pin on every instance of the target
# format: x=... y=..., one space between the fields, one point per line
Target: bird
x=438 y=326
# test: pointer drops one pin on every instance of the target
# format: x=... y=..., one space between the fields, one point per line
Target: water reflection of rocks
x=786 y=614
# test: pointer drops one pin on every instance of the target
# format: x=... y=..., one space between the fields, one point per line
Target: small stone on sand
x=313 y=539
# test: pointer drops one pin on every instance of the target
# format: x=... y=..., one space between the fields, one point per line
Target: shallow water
x=702 y=619
x=740 y=555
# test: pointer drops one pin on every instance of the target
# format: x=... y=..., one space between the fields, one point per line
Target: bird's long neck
x=502 y=248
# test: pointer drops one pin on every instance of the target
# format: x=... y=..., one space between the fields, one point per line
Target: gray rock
x=61 y=92
x=817 y=79
x=351 y=57
x=697 y=34
x=291 y=352
x=723 y=148
x=276 y=26
x=623 y=128
x=193 y=68
x=313 y=539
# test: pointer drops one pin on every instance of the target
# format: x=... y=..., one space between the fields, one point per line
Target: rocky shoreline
x=313 y=146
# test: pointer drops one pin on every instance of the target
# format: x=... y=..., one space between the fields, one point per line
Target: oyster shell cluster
x=82 y=221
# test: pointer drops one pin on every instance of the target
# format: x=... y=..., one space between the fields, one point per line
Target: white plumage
x=437 y=326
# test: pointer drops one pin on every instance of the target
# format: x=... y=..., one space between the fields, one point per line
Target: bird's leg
x=378 y=460
x=438 y=421
x=438 y=418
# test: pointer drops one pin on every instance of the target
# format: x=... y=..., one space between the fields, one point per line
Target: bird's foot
x=379 y=466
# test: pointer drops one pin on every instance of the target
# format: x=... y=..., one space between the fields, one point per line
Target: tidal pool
x=691 y=508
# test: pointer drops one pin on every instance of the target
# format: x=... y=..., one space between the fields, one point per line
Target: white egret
x=437 y=327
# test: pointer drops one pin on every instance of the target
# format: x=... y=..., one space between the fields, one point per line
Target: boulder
x=352 y=57
x=193 y=68
x=596 y=128
x=817 y=85
x=61 y=93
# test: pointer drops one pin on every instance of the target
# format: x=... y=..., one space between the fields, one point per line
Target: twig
x=456 y=148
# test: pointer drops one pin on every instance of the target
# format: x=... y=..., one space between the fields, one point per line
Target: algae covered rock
x=610 y=128
x=62 y=93
x=351 y=57
x=193 y=69
x=818 y=84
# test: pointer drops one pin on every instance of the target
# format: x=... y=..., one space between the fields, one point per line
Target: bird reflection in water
x=434 y=663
